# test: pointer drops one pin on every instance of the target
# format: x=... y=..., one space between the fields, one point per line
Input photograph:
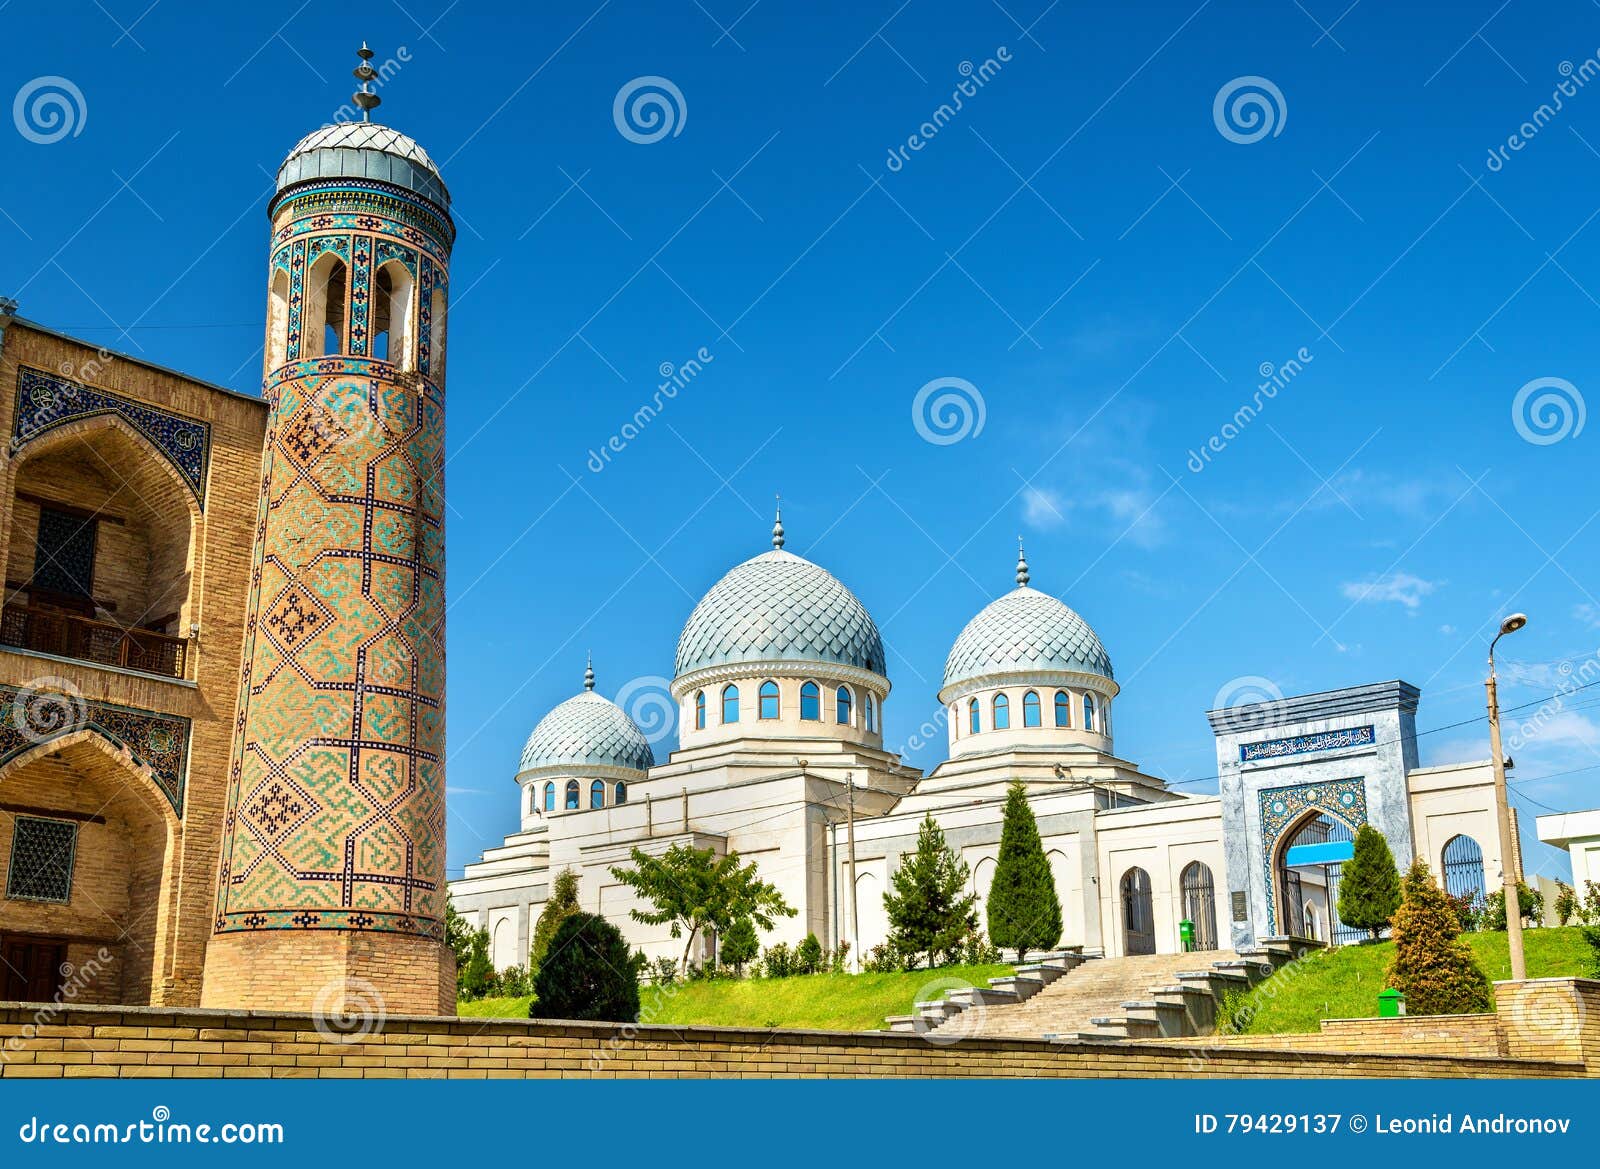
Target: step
x=903 y=1023
x=1024 y=986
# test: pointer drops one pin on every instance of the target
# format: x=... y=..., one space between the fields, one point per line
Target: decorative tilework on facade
x=158 y=742
x=1283 y=808
x=1303 y=744
x=47 y=400
x=335 y=814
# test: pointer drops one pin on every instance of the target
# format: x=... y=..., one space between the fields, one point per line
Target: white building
x=781 y=685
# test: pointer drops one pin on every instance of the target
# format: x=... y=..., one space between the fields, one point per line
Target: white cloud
x=1042 y=509
x=1588 y=614
x=1563 y=728
x=1401 y=588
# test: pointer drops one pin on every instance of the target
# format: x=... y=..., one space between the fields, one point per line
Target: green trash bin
x=1186 y=934
x=1391 y=1004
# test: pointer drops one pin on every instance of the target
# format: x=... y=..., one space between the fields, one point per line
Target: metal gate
x=1343 y=935
x=1200 y=904
x=1463 y=869
x=1138 y=914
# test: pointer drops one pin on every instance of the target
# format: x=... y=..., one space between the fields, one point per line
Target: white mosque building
x=781 y=684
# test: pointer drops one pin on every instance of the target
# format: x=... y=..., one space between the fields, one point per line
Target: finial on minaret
x=1022 y=565
x=366 y=74
x=777 y=526
x=588 y=674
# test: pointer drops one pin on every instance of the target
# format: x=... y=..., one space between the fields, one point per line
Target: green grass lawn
x=832 y=1002
x=1344 y=983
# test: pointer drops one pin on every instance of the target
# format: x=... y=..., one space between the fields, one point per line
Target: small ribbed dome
x=779 y=607
x=1025 y=630
x=364 y=150
x=587 y=731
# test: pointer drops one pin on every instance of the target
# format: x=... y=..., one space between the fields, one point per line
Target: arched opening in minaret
x=278 y=320
x=327 y=293
x=392 y=315
x=436 y=315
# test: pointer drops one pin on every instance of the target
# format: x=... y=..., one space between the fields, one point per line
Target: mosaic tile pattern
x=1303 y=744
x=335 y=812
x=1283 y=807
x=47 y=400
x=1025 y=630
x=158 y=742
x=779 y=606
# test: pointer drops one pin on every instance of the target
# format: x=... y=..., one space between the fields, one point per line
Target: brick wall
x=170 y=889
x=85 y=1042
x=1540 y=1019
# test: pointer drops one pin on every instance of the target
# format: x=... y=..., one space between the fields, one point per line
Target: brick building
x=221 y=646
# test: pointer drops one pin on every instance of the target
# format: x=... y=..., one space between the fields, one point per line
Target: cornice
x=819 y=672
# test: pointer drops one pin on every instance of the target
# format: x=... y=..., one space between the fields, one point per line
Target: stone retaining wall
x=71 y=1042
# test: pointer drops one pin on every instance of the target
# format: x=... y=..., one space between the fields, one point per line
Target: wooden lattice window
x=63 y=560
x=42 y=855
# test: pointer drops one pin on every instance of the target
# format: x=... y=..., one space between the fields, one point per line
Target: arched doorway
x=90 y=847
x=1310 y=861
x=1463 y=868
x=1138 y=913
x=1199 y=901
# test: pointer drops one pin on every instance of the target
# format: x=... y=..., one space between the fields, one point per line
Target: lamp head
x=1513 y=623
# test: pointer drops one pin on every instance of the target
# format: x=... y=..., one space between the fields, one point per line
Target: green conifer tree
x=929 y=912
x=563 y=903
x=1024 y=911
x=1369 y=889
x=1432 y=966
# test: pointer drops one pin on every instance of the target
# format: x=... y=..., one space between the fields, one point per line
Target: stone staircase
x=1072 y=997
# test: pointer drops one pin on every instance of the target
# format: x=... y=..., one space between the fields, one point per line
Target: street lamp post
x=1519 y=965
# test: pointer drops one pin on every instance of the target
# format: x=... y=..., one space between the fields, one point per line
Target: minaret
x=331 y=886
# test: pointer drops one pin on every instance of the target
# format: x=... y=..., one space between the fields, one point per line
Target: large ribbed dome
x=587 y=731
x=1025 y=630
x=779 y=607
x=364 y=150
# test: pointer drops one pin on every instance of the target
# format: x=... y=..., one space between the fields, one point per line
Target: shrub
x=1024 y=911
x=1432 y=965
x=977 y=950
x=1591 y=934
x=838 y=956
x=1369 y=891
x=1467 y=907
x=589 y=974
x=563 y=903
x=808 y=956
x=1589 y=910
x=739 y=945
x=1566 y=905
x=777 y=961
x=515 y=982
x=884 y=959
x=1529 y=901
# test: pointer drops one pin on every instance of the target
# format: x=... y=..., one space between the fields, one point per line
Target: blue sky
x=1081 y=243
